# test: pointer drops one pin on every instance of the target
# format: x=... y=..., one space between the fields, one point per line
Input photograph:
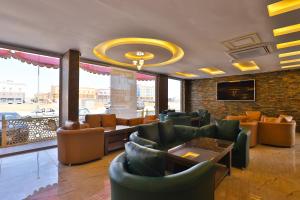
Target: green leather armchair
x=195 y=183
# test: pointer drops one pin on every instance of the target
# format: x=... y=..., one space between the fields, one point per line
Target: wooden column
x=186 y=93
x=161 y=93
x=69 y=87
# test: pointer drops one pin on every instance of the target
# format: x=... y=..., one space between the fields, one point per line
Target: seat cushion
x=166 y=132
x=109 y=120
x=228 y=129
x=144 y=161
x=149 y=132
x=93 y=120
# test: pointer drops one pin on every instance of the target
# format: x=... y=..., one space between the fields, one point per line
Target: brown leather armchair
x=250 y=125
x=277 y=134
x=76 y=146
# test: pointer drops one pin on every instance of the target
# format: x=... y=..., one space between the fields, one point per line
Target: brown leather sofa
x=276 y=132
x=76 y=145
x=110 y=120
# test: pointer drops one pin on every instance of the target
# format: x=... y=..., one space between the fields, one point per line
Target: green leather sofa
x=174 y=135
x=196 y=183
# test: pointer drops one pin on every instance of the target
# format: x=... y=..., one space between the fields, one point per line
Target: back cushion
x=144 y=161
x=228 y=129
x=93 y=120
x=253 y=115
x=149 y=132
x=166 y=132
x=109 y=120
x=135 y=121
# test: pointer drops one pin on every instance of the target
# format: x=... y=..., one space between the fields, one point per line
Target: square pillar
x=161 y=93
x=69 y=87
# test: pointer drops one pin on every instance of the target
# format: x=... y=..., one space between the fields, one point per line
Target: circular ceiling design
x=101 y=51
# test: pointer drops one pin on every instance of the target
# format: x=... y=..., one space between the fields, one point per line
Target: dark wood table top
x=201 y=149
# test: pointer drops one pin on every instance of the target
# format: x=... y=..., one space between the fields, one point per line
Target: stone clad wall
x=276 y=93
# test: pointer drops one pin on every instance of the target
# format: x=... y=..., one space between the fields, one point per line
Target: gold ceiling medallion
x=138 y=58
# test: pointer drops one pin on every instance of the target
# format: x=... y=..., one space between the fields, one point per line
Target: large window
x=29 y=100
x=174 y=94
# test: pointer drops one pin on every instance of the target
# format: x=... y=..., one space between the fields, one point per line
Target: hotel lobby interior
x=142 y=100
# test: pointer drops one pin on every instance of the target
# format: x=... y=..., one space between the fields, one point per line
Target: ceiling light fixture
x=289 y=61
x=246 y=66
x=283 y=6
x=101 y=50
x=188 y=75
x=288 y=44
x=293 y=53
x=290 y=66
x=211 y=70
x=286 y=30
x=138 y=58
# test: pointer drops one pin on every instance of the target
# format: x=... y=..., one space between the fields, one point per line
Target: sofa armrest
x=241 y=148
x=141 y=141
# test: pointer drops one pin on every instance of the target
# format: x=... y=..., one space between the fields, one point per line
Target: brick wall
x=276 y=93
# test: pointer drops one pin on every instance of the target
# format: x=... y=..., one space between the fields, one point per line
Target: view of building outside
x=174 y=94
x=30 y=92
x=35 y=91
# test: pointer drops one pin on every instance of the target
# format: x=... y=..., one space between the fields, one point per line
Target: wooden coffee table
x=116 y=137
x=203 y=149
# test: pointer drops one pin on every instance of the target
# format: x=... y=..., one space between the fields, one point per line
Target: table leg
x=228 y=162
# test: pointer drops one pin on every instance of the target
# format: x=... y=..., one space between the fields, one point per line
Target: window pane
x=145 y=95
x=174 y=94
x=94 y=91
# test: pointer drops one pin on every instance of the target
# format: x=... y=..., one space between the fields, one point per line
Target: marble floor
x=273 y=174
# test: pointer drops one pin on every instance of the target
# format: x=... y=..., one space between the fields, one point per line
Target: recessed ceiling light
x=289 y=61
x=283 y=7
x=288 y=44
x=189 y=75
x=246 y=66
x=286 y=30
x=293 y=53
x=290 y=66
x=212 y=70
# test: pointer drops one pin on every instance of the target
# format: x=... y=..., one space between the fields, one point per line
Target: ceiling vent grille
x=253 y=51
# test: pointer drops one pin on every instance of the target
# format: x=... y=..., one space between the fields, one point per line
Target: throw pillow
x=149 y=132
x=228 y=129
x=253 y=115
x=286 y=118
x=166 y=132
x=144 y=161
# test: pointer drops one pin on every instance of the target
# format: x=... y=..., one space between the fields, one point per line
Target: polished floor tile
x=273 y=173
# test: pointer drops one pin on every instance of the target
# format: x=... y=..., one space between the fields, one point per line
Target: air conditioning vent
x=257 y=50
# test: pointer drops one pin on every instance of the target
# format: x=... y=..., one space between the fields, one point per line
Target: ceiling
x=198 y=26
